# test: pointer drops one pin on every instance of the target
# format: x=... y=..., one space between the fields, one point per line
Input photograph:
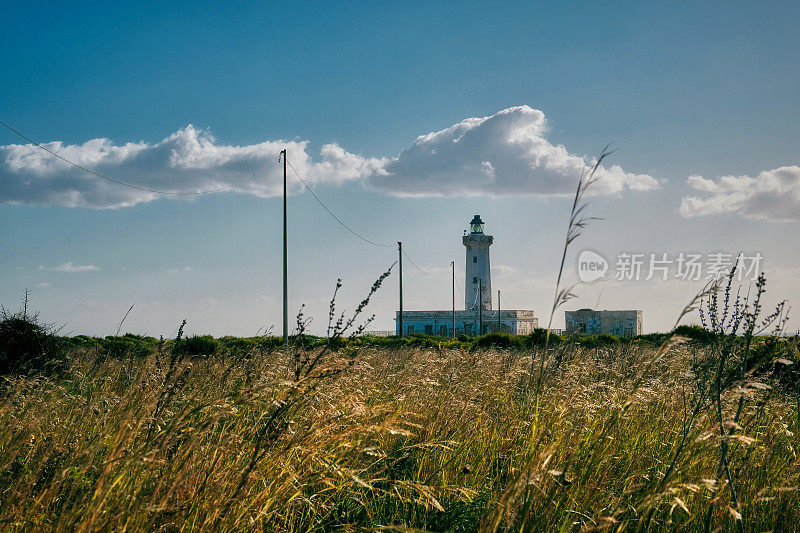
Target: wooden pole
x=453 y=267
x=400 y=261
x=285 y=274
x=498 y=311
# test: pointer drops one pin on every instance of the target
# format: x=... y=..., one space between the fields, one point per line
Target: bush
x=422 y=340
x=84 y=341
x=650 y=339
x=596 y=341
x=414 y=339
x=696 y=333
x=28 y=346
x=128 y=345
x=238 y=346
x=196 y=345
x=538 y=338
x=268 y=344
x=498 y=340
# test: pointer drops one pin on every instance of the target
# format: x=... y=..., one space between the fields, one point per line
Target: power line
x=345 y=226
x=459 y=289
x=504 y=301
x=475 y=301
x=348 y=228
x=112 y=180
x=417 y=267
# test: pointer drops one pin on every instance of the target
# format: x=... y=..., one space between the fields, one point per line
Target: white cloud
x=72 y=268
x=504 y=154
x=773 y=195
x=189 y=160
x=177 y=270
x=44 y=285
x=427 y=270
x=504 y=270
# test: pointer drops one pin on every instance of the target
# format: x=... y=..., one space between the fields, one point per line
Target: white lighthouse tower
x=477 y=317
x=478 y=282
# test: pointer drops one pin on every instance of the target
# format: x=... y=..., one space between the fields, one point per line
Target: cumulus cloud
x=503 y=154
x=71 y=268
x=189 y=160
x=773 y=195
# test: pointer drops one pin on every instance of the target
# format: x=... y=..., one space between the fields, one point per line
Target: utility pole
x=285 y=278
x=400 y=262
x=453 y=266
x=480 y=306
x=498 y=310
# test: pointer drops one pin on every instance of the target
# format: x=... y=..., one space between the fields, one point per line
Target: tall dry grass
x=442 y=440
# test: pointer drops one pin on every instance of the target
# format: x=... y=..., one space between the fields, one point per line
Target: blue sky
x=681 y=90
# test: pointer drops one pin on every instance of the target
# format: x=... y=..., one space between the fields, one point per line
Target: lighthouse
x=478 y=279
x=478 y=316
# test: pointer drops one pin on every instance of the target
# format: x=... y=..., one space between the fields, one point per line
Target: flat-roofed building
x=624 y=323
x=470 y=322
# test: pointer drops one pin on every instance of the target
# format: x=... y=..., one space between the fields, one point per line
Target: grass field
x=137 y=434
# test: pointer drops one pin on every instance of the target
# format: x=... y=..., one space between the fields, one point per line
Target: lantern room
x=476 y=225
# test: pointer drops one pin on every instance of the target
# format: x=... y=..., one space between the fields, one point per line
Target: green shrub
x=28 y=346
x=237 y=344
x=84 y=341
x=649 y=339
x=269 y=343
x=372 y=340
x=538 y=338
x=499 y=340
x=696 y=333
x=128 y=345
x=414 y=339
x=422 y=340
x=596 y=341
x=196 y=345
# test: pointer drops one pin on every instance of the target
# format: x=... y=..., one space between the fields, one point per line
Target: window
x=474 y=258
x=428 y=330
x=410 y=330
x=475 y=279
x=443 y=330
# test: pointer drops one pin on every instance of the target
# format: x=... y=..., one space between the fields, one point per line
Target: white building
x=477 y=315
x=623 y=323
